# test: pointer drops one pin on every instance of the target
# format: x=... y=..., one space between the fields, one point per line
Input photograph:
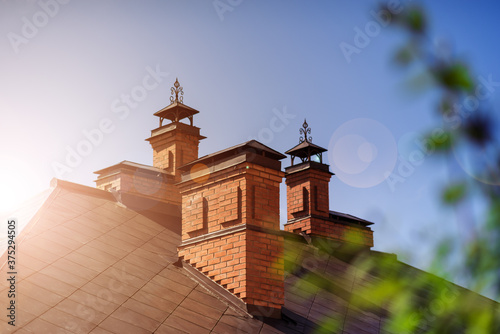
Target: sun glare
x=18 y=183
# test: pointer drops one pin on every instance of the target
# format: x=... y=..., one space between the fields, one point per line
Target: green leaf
x=439 y=141
x=454 y=193
x=455 y=77
x=415 y=20
x=404 y=56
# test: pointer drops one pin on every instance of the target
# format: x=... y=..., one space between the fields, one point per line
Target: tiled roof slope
x=87 y=264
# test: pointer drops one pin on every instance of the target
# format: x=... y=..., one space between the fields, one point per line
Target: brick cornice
x=176 y=127
x=328 y=220
x=228 y=231
x=233 y=167
x=308 y=165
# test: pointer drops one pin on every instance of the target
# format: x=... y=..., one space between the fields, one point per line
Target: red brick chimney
x=174 y=144
x=308 y=198
x=230 y=223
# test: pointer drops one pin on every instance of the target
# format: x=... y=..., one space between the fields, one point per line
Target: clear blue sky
x=67 y=66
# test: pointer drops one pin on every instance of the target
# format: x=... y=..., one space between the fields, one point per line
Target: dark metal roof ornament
x=304 y=131
x=306 y=149
x=176 y=90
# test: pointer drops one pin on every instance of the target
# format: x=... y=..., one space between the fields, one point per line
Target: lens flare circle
x=479 y=163
x=200 y=173
x=362 y=152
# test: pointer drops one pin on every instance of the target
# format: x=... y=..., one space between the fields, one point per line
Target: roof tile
x=30 y=262
x=182 y=286
x=163 y=292
x=184 y=325
x=146 y=310
x=128 y=268
x=64 y=276
x=52 y=284
x=115 y=284
x=114 y=273
x=202 y=309
x=165 y=329
x=99 y=300
x=118 y=326
x=200 y=295
x=41 y=326
x=155 y=301
x=88 y=262
x=105 y=293
x=6 y=328
x=81 y=311
x=31 y=305
x=134 y=232
x=56 y=238
x=241 y=324
x=96 y=254
x=39 y=293
x=126 y=237
x=100 y=330
x=67 y=321
x=108 y=249
x=70 y=234
x=75 y=268
x=127 y=315
x=195 y=317
x=144 y=263
x=116 y=242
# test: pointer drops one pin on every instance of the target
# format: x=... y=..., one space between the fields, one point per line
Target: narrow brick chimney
x=174 y=144
x=230 y=223
x=308 y=198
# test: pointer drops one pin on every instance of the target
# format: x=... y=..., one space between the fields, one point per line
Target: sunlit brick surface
x=248 y=263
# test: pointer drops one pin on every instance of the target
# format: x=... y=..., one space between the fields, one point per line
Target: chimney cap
x=252 y=146
x=305 y=149
x=176 y=110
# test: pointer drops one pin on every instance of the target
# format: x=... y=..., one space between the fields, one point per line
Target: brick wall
x=231 y=231
x=308 y=207
x=330 y=229
x=174 y=145
x=248 y=264
x=307 y=193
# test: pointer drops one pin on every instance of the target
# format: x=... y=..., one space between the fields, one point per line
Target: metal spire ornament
x=177 y=90
x=304 y=131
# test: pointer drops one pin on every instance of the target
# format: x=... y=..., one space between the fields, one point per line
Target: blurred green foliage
x=465 y=312
x=416 y=301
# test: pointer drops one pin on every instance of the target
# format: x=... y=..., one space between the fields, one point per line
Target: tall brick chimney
x=230 y=223
x=308 y=198
x=176 y=143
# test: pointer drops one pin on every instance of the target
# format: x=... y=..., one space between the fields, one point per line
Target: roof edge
x=131 y=165
x=61 y=184
x=215 y=289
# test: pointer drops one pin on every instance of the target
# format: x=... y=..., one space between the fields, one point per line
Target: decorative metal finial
x=305 y=130
x=176 y=90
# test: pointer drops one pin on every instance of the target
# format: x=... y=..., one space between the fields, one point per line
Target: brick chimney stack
x=174 y=144
x=308 y=198
x=230 y=223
